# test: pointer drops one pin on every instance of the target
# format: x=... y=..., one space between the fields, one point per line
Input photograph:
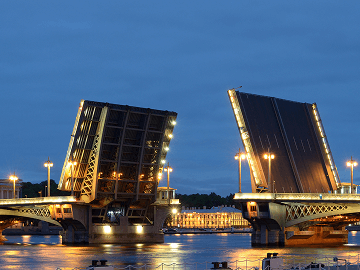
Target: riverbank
x=206 y=231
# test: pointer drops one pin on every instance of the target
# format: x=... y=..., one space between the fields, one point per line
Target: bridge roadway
x=17 y=210
x=299 y=218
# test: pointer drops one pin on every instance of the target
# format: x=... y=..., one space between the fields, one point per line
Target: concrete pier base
x=79 y=228
x=265 y=237
x=316 y=235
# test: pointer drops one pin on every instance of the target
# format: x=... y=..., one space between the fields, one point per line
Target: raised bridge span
x=113 y=165
x=298 y=198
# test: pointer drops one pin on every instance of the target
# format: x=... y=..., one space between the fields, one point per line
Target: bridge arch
x=297 y=213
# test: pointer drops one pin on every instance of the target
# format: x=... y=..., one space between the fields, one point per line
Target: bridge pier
x=79 y=228
x=264 y=237
x=72 y=236
x=300 y=224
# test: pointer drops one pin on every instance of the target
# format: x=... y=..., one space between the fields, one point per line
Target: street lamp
x=351 y=163
x=48 y=164
x=14 y=178
x=270 y=156
x=72 y=163
x=239 y=156
x=168 y=169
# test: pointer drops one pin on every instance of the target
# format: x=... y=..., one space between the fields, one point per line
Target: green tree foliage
x=31 y=190
x=208 y=200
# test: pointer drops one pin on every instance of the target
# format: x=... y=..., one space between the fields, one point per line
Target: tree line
x=31 y=190
x=208 y=200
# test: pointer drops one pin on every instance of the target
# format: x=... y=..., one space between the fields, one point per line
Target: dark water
x=47 y=252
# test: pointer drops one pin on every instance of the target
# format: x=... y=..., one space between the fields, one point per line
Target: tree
x=31 y=190
x=208 y=200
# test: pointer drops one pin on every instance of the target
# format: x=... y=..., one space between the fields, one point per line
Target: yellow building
x=216 y=217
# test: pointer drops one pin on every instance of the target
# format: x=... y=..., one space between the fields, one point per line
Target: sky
x=177 y=56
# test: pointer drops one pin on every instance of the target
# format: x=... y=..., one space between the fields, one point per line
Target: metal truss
x=87 y=190
x=308 y=212
x=88 y=180
x=36 y=211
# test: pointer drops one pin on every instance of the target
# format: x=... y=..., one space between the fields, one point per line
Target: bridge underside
x=294 y=133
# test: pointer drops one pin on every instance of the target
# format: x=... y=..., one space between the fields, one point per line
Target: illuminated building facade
x=115 y=159
x=294 y=134
x=7 y=189
x=216 y=217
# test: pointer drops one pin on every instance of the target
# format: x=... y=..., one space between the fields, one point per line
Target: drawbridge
x=297 y=197
x=112 y=168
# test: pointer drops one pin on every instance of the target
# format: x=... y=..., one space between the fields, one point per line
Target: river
x=47 y=252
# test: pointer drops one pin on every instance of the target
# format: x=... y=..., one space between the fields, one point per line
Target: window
x=67 y=210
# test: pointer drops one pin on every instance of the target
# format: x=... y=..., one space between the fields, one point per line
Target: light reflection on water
x=47 y=252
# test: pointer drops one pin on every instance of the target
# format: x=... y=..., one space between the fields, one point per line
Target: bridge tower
x=113 y=165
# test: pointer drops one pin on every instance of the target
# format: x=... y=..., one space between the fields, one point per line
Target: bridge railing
x=324 y=197
x=38 y=200
x=295 y=262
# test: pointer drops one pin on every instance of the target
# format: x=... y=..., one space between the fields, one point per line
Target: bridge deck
x=39 y=201
x=298 y=197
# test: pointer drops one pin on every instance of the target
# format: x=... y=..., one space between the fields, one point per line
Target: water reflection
x=40 y=252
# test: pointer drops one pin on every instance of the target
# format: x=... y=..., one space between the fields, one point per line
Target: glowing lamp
x=139 y=229
x=107 y=229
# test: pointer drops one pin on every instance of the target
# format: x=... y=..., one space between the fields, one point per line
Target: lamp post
x=270 y=156
x=351 y=163
x=239 y=156
x=72 y=164
x=48 y=164
x=168 y=169
x=14 y=178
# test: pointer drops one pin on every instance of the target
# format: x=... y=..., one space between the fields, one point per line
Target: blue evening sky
x=179 y=56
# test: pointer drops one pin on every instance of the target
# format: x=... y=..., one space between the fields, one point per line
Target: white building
x=7 y=189
x=216 y=217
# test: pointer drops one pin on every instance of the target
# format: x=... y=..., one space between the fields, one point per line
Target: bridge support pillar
x=276 y=238
x=73 y=236
x=265 y=237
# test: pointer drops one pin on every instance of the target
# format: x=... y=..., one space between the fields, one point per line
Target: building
x=216 y=217
x=162 y=195
x=345 y=189
x=7 y=189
